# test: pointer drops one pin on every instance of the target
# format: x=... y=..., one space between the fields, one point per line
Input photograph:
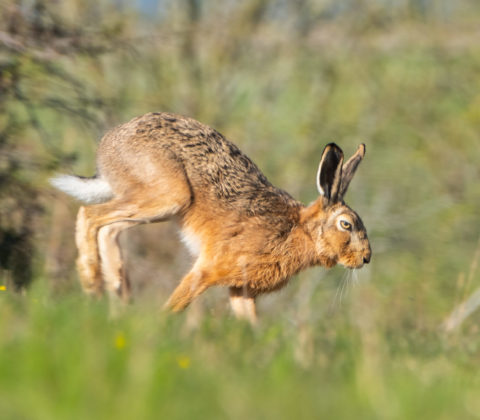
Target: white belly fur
x=192 y=241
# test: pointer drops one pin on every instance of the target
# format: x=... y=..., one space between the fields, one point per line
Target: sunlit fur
x=245 y=233
x=334 y=244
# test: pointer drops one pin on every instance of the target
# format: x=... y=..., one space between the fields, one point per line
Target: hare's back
x=216 y=169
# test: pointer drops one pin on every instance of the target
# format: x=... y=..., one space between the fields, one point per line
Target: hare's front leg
x=243 y=304
x=192 y=285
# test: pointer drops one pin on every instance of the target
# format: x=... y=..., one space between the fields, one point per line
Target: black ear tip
x=334 y=147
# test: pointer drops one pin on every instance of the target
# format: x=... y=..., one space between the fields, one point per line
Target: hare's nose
x=366 y=258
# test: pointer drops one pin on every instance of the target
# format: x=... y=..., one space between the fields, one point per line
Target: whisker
x=334 y=303
x=337 y=295
x=344 y=285
x=340 y=291
x=354 y=277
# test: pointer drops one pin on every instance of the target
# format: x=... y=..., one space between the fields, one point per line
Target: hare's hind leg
x=243 y=304
x=88 y=260
x=114 y=276
x=90 y=220
x=114 y=216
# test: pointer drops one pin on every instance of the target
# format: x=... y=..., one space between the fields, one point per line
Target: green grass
x=65 y=358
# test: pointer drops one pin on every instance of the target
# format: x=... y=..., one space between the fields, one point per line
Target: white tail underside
x=88 y=190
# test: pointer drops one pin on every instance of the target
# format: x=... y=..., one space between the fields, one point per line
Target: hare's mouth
x=356 y=259
x=353 y=265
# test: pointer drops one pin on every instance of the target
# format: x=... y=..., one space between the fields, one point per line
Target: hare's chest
x=192 y=241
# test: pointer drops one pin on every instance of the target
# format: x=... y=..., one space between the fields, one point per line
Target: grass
x=66 y=358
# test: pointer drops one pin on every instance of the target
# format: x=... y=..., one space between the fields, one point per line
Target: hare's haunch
x=244 y=232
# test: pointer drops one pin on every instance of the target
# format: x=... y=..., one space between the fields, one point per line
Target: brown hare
x=244 y=232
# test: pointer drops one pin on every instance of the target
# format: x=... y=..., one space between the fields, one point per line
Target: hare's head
x=338 y=231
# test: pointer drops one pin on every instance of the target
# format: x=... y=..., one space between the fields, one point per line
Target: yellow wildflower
x=3 y=288
x=183 y=362
x=120 y=341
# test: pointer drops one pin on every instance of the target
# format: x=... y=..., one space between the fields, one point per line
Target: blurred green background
x=280 y=79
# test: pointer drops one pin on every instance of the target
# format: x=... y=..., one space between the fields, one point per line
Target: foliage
x=37 y=89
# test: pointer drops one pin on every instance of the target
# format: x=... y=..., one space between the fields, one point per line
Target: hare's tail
x=89 y=190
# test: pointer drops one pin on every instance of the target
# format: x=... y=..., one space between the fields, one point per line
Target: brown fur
x=253 y=236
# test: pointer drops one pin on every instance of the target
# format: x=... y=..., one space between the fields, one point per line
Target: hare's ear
x=329 y=175
x=350 y=167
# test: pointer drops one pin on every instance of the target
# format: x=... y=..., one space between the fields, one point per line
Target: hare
x=244 y=232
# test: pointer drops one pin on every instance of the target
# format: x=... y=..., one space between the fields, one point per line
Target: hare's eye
x=345 y=225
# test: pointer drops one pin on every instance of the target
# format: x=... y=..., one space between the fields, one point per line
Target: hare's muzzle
x=368 y=253
x=366 y=258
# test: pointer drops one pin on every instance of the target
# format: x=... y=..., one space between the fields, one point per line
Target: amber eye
x=345 y=225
